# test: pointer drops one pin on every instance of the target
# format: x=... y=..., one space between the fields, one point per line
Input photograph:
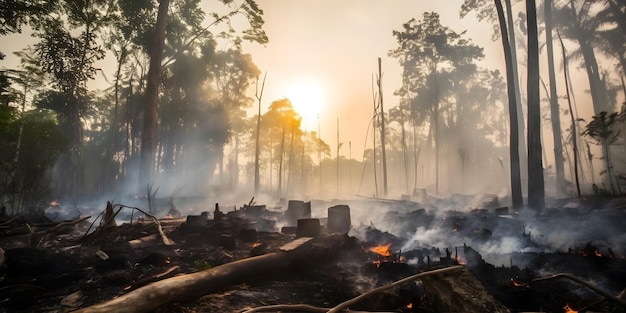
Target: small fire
x=382 y=250
x=256 y=244
x=461 y=260
x=515 y=283
x=409 y=306
x=568 y=309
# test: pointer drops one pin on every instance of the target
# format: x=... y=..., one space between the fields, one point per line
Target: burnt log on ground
x=460 y=293
x=189 y=286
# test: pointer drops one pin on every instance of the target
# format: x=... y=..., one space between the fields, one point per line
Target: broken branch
x=296 y=308
x=584 y=283
x=352 y=301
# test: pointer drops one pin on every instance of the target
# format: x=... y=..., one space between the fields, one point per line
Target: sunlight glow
x=308 y=97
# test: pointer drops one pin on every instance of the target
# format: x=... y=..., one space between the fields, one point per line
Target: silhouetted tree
x=602 y=130
x=429 y=52
x=514 y=165
x=555 y=111
x=67 y=52
x=536 y=190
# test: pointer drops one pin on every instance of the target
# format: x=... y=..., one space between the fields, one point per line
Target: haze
x=323 y=56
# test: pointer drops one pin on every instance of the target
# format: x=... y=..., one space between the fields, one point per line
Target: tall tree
x=152 y=96
x=257 y=145
x=485 y=10
x=576 y=22
x=67 y=51
x=428 y=53
x=536 y=190
x=555 y=112
x=516 y=184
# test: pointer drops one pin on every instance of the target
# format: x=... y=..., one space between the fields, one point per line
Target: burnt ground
x=52 y=267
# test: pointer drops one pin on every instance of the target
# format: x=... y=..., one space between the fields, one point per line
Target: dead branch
x=166 y=240
x=584 y=283
x=297 y=308
x=109 y=216
x=12 y=219
x=345 y=304
x=67 y=223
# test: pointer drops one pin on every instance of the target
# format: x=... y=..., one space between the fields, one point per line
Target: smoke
x=453 y=222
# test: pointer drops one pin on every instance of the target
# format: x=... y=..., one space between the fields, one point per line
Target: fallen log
x=194 y=285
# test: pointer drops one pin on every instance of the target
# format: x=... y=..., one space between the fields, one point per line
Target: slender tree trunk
x=514 y=164
x=404 y=157
x=148 y=137
x=521 y=125
x=127 y=146
x=382 y=127
x=609 y=166
x=436 y=130
x=571 y=115
x=280 y=164
x=290 y=168
x=555 y=113
x=257 y=150
x=536 y=191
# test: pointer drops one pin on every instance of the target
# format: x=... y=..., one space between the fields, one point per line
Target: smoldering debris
x=383 y=241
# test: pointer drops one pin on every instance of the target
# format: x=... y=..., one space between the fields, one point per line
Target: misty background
x=74 y=85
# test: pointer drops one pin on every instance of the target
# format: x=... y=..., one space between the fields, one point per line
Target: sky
x=333 y=48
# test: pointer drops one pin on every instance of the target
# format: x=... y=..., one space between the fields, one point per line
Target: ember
x=382 y=250
x=568 y=309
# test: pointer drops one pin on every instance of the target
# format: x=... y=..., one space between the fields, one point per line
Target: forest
x=181 y=116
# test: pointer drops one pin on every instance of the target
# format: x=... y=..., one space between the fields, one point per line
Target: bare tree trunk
x=514 y=164
x=382 y=126
x=571 y=115
x=257 y=150
x=280 y=164
x=148 y=137
x=521 y=125
x=536 y=191
x=554 y=103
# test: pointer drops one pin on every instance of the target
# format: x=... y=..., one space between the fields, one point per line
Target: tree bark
x=521 y=125
x=554 y=103
x=572 y=119
x=536 y=191
x=516 y=183
x=148 y=136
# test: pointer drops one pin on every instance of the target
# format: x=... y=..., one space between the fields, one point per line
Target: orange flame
x=410 y=305
x=568 y=309
x=256 y=244
x=382 y=250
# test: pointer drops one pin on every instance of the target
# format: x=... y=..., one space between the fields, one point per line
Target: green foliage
x=602 y=128
x=31 y=145
x=202 y=265
x=16 y=13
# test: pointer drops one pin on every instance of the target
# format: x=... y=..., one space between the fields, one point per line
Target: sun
x=308 y=97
